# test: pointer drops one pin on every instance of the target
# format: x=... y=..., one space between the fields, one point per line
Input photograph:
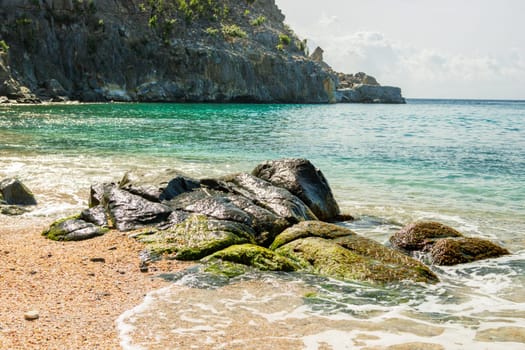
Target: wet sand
x=78 y=288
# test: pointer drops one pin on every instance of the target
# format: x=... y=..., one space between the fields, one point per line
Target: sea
x=459 y=162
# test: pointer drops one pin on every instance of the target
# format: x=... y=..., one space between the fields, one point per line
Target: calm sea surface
x=458 y=162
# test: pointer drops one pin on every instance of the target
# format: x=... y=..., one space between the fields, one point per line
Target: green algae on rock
x=256 y=256
x=310 y=229
x=332 y=259
x=196 y=237
x=73 y=229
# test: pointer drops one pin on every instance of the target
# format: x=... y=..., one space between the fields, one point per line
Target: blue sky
x=435 y=49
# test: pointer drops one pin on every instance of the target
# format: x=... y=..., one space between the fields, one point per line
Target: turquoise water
x=393 y=161
x=458 y=162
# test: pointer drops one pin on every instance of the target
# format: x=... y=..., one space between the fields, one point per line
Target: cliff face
x=156 y=50
x=153 y=50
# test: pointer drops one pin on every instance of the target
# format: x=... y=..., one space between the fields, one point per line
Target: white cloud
x=427 y=72
x=327 y=21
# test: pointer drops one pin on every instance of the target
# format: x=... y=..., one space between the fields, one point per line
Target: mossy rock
x=416 y=236
x=225 y=268
x=73 y=229
x=310 y=229
x=451 y=251
x=256 y=256
x=196 y=237
x=390 y=258
x=330 y=258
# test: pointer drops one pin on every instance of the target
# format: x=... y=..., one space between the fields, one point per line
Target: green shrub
x=211 y=31
x=3 y=46
x=234 y=31
x=258 y=21
x=284 y=39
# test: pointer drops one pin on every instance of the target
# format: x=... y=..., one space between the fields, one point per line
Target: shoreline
x=79 y=289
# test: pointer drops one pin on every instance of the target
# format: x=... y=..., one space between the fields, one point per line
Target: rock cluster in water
x=280 y=217
x=153 y=51
x=15 y=197
x=443 y=245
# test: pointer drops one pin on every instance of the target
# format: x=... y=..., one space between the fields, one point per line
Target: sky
x=473 y=49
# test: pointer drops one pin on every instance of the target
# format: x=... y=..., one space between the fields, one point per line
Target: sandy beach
x=77 y=288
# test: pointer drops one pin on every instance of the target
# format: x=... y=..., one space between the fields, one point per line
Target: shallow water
x=458 y=162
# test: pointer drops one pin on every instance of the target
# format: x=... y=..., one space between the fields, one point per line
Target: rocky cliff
x=155 y=50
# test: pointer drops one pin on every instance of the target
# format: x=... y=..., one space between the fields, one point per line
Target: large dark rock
x=276 y=199
x=129 y=211
x=231 y=207
x=73 y=229
x=443 y=245
x=196 y=237
x=15 y=192
x=157 y=187
x=304 y=180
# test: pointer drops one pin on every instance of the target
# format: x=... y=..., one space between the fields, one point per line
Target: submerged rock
x=302 y=179
x=444 y=245
x=73 y=229
x=452 y=251
x=416 y=236
x=15 y=192
x=12 y=210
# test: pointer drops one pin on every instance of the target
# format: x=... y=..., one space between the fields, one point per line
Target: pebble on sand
x=31 y=315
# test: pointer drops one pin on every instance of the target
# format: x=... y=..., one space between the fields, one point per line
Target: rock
x=348 y=81
x=15 y=192
x=95 y=215
x=231 y=207
x=363 y=93
x=31 y=315
x=444 y=245
x=157 y=187
x=255 y=256
x=12 y=210
x=96 y=193
x=310 y=229
x=453 y=251
x=317 y=55
x=302 y=179
x=329 y=258
x=416 y=236
x=342 y=254
x=276 y=199
x=73 y=229
x=129 y=212
x=196 y=237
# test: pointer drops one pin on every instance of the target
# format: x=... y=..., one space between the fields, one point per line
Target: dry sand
x=78 y=288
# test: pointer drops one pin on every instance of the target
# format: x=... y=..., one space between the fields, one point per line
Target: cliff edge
x=156 y=51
